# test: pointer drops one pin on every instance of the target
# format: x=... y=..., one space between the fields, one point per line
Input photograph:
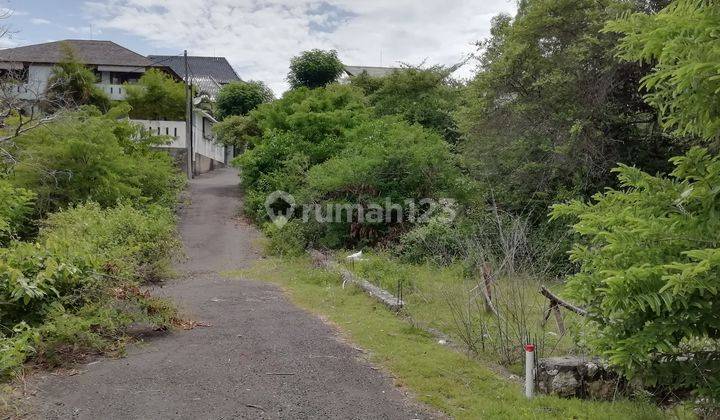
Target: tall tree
x=552 y=109
x=314 y=68
x=239 y=98
x=682 y=43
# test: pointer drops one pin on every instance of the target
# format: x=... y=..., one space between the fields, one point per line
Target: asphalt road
x=261 y=357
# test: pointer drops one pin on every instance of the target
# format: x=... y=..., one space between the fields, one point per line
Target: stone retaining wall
x=580 y=377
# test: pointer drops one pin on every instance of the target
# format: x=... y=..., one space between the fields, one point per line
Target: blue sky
x=260 y=36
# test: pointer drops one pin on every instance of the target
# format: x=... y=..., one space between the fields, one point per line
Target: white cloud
x=260 y=36
x=39 y=21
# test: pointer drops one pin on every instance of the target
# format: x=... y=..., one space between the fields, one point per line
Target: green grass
x=460 y=387
x=428 y=291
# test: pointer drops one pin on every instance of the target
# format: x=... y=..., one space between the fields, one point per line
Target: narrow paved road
x=221 y=371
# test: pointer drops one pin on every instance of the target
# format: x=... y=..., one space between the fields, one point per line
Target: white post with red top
x=529 y=370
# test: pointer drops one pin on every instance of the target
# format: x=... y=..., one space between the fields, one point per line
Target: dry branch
x=556 y=301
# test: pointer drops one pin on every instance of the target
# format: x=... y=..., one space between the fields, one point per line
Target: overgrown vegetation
x=156 y=96
x=437 y=375
x=86 y=155
x=649 y=268
x=426 y=96
x=86 y=219
x=563 y=93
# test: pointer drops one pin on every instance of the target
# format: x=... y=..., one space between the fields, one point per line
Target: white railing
x=176 y=131
x=36 y=91
x=25 y=91
x=115 y=92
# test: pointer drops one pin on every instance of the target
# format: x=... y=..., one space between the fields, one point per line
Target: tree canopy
x=681 y=42
x=314 y=68
x=552 y=109
x=239 y=98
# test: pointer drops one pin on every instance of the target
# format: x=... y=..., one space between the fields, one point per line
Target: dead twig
x=556 y=301
x=255 y=406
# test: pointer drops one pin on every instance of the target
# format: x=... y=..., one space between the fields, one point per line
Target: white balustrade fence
x=203 y=145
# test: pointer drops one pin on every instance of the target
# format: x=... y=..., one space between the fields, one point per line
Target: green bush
x=290 y=240
x=384 y=161
x=681 y=41
x=304 y=128
x=84 y=155
x=237 y=131
x=387 y=158
x=650 y=272
x=424 y=96
x=15 y=208
x=77 y=285
x=156 y=96
x=437 y=241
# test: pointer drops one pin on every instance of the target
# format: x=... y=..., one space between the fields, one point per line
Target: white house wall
x=176 y=132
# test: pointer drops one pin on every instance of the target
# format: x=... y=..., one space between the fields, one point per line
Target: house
x=113 y=64
x=207 y=74
x=352 y=71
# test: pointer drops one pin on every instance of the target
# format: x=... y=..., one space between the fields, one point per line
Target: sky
x=258 y=37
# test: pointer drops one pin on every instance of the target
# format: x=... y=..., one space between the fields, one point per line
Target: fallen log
x=386 y=298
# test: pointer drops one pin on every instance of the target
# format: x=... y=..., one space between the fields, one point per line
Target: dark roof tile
x=89 y=52
x=215 y=68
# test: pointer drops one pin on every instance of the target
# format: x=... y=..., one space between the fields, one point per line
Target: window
x=118 y=78
x=14 y=76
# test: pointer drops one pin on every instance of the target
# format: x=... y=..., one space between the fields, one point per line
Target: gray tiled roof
x=371 y=71
x=214 y=68
x=89 y=52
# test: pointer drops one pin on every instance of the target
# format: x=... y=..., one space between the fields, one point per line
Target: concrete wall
x=203 y=143
x=203 y=164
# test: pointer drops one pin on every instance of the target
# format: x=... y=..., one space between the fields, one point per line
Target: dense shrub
x=88 y=156
x=290 y=240
x=76 y=285
x=437 y=241
x=650 y=271
x=324 y=147
x=156 y=96
x=384 y=162
x=386 y=158
x=15 y=208
x=304 y=128
x=426 y=96
x=239 y=98
x=237 y=131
